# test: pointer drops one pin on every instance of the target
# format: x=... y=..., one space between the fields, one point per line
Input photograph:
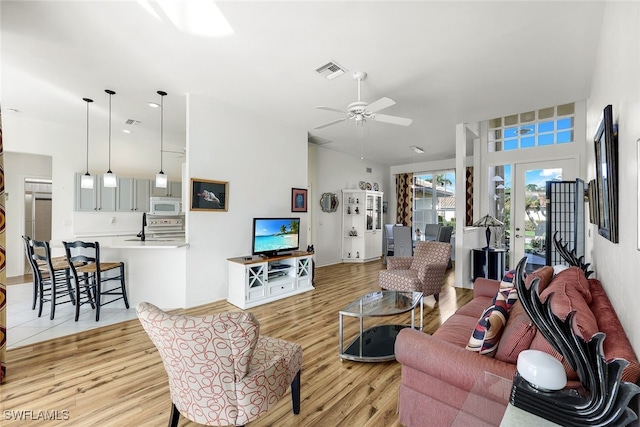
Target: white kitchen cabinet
x=255 y=281
x=133 y=195
x=361 y=225
x=174 y=189
x=97 y=198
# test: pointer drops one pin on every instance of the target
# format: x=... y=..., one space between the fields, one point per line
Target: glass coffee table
x=376 y=344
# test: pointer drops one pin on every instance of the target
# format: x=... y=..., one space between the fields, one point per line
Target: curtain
x=3 y=271
x=404 y=192
x=469 y=193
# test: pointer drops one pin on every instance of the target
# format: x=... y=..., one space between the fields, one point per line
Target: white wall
x=337 y=171
x=616 y=82
x=17 y=167
x=262 y=159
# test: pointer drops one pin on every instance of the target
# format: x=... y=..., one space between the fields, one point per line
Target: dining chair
x=444 y=235
x=93 y=275
x=221 y=370
x=388 y=228
x=431 y=232
x=52 y=281
x=402 y=241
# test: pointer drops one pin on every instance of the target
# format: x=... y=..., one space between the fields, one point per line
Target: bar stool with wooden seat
x=52 y=280
x=92 y=274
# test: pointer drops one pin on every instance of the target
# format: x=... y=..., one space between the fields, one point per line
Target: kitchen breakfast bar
x=154 y=269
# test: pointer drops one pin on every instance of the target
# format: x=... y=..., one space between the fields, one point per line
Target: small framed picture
x=209 y=195
x=298 y=200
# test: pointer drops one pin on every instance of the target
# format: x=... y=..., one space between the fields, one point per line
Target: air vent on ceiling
x=331 y=70
x=133 y=122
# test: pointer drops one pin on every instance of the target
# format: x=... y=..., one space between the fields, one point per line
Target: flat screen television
x=275 y=236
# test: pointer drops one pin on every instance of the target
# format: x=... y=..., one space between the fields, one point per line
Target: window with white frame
x=537 y=128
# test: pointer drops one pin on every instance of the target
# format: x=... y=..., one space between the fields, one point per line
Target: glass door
x=529 y=208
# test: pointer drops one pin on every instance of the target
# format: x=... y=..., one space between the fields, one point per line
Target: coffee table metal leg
x=340 y=343
x=361 y=334
x=413 y=316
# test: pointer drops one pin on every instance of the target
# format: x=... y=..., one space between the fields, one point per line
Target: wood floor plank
x=113 y=376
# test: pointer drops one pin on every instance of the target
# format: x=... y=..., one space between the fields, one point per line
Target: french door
x=529 y=208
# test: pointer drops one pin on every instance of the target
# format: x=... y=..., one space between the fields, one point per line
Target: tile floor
x=25 y=327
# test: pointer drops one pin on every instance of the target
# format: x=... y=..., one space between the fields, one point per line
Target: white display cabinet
x=254 y=280
x=361 y=225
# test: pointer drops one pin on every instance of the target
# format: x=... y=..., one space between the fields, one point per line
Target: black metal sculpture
x=570 y=255
x=605 y=398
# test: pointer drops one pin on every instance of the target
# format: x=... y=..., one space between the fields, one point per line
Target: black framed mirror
x=606 y=149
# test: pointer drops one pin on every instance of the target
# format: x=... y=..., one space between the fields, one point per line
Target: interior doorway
x=37 y=211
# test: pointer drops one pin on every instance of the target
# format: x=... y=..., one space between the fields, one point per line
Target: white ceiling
x=442 y=62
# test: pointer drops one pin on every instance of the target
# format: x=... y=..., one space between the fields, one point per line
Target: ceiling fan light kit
x=361 y=111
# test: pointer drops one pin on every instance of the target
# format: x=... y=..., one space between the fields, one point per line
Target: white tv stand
x=256 y=280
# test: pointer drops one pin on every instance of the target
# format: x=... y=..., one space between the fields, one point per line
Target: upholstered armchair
x=221 y=370
x=423 y=272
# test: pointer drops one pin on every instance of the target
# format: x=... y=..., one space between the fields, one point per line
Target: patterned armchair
x=221 y=370
x=423 y=272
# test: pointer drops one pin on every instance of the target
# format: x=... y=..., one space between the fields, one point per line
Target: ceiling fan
x=361 y=111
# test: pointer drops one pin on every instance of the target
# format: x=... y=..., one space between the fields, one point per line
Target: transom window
x=538 y=128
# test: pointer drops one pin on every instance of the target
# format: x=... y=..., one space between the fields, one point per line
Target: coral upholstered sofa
x=439 y=373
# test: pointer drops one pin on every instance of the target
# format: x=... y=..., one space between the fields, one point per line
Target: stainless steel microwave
x=165 y=206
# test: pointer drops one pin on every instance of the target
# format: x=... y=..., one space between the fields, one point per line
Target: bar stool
x=51 y=280
x=29 y=254
x=90 y=273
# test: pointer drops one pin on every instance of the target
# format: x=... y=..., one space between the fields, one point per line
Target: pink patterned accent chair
x=221 y=370
x=423 y=272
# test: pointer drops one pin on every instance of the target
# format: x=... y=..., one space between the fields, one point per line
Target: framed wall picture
x=606 y=150
x=209 y=195
x=298 y=200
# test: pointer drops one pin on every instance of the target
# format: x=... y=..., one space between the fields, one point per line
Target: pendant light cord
x=87 y=100
x=109 y=133
x=162 y=95
x=161 y=129
x=111 y=93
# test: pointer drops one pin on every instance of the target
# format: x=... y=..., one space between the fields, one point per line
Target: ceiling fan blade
x=331 y=109
x=330 y=123
x=402 y=121
x=380 y=104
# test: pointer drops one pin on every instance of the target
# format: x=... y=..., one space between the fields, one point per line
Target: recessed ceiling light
x=126 y=131
x=416 y=149
x=12 y=110
x=153 y=104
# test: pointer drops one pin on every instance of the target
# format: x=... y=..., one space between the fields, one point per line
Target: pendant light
x=110 y=179
x=87 y=180
x=161 y=178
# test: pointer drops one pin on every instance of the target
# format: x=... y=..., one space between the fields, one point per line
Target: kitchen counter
x=155 y=269
x=136 y=243
x=133 y=242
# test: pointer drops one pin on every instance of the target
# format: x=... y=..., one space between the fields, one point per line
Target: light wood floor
x=113 y=376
